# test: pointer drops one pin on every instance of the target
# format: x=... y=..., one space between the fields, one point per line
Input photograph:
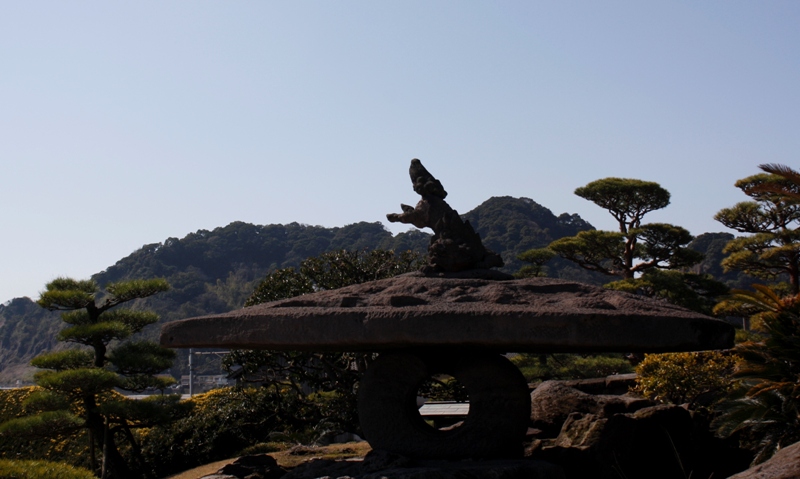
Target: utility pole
x=192 y=353
x=191 y=373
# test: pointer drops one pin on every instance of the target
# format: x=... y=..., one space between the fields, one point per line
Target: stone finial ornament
x=455 y=245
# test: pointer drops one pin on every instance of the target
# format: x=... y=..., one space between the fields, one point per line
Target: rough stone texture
x=499 y=405
x=615 y=385
x=656 y=442
x=381 y=464
x=533 y=314
x=258 y=466
x=455 y=245
x=785 y=464
x=553 y=402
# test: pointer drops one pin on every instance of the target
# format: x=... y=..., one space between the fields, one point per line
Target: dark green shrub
x=443 y=388
x=226 y=421
x=542 y=367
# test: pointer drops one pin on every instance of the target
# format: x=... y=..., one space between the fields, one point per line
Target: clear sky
x=125 y=123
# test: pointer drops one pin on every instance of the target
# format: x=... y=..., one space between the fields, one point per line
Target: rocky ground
x=578 y=430
x=289 y=458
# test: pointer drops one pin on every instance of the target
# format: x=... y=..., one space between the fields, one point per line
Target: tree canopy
x=772 y=218
x=628 y=200
x=78 y=384
x=657 y=245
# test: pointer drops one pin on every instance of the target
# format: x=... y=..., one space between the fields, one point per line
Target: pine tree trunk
x=92 y=453
x=104 y=469
x=113 y=464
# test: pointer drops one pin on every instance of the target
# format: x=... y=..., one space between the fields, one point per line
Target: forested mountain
x=510 y=226
x=711 y=245
x=216 y=271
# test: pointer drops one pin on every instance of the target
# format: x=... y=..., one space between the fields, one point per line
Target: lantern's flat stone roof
x=410 y=311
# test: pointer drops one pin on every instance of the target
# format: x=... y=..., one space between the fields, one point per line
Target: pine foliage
x=765 y=410
x=78 y=384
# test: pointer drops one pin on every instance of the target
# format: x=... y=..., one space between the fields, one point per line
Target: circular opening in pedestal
x=443 y=402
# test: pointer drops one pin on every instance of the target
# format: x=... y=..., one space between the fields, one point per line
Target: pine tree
x=656 y=245
x=78 y=384
x=772 y=218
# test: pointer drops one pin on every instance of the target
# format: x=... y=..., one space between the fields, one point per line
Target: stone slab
x=414 y=311
x=444 y=409
x=785 y=464
x=380 y=464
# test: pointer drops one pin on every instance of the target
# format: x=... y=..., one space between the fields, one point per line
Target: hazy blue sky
x=125 y=123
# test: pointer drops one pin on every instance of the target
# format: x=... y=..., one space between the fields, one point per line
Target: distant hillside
x=711 y=244
x=26 y=330
x=215 y=271
x=509 y=226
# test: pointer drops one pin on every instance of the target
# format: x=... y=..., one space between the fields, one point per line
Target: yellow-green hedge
x=41 y=470
x=682 y=377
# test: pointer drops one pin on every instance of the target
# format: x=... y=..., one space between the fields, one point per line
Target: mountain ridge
x=216 y=271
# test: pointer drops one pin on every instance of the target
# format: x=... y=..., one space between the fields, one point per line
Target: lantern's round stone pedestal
x=499 y=405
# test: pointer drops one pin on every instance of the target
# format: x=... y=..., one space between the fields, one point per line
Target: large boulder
x=785 y=464
x=664 y=441
x=553 y=401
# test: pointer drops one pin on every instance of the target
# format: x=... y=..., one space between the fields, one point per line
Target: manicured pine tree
x=657 y=245
x=78 y=385
x=648 y=259
x=772 y=218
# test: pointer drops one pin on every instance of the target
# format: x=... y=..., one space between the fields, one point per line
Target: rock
x=785 y=464
x=257 y=466
x=385 y=465
x=318 y=468
x=553 y=401
x=455 y=245
x=379 y=459
x=664 y=441
x=408 y=311
x=338 y=437
x=499 y=406
x=615 y=385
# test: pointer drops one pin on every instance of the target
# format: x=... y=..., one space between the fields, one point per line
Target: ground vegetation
x=764 y=409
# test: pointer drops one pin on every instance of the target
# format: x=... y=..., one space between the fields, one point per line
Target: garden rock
x=553 y=401
x=656 y=442
x=381 y=464
x=257 y=466
x=785 y=464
